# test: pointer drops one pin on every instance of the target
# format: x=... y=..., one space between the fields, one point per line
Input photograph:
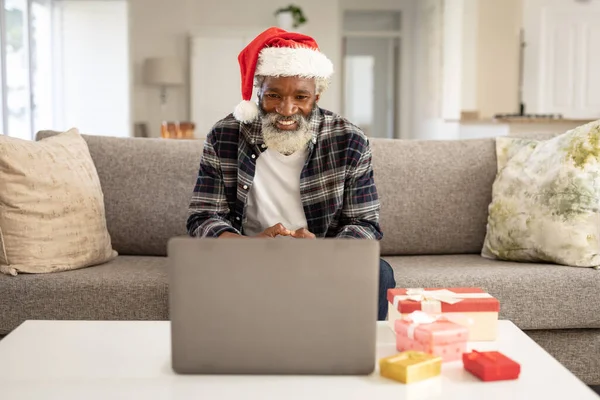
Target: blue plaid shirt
x=337 y=189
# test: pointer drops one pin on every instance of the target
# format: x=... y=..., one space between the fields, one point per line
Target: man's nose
x=287 y=107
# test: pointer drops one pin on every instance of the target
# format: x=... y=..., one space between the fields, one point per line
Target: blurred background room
x=405 y=69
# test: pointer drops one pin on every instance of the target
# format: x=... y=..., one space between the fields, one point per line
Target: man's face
x=286 y=105
x=288 y=96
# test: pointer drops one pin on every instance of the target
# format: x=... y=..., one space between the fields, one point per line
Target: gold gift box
x=410 y=366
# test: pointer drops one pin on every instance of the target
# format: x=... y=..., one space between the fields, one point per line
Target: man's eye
x=302 y=97
x=272 y=95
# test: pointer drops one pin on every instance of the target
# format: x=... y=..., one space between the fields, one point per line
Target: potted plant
x=290 y=17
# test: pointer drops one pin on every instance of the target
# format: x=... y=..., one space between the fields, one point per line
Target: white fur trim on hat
x=293 y=61
x=246 y=111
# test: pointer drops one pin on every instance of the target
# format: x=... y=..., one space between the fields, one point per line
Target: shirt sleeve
x=209 y=211
x=360 y=212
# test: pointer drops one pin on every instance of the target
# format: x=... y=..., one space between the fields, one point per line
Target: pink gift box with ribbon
x=478 y=309
x=434 y=335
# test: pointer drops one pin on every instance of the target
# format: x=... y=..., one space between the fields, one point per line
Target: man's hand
x=302 y=233
x=275 y=230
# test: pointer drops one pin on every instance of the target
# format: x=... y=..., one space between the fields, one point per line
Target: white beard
x=285 y=142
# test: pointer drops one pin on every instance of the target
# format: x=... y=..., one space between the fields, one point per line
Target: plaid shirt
x=337 y=189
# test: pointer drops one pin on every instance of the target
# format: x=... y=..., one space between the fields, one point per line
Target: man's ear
x=317 y=97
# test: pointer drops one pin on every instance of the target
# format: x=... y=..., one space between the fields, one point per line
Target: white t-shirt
x=275 y=193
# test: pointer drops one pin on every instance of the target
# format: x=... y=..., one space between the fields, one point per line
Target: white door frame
x=405 y=88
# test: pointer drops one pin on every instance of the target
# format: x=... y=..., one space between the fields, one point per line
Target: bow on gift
x=417 y=318
x=431 y=300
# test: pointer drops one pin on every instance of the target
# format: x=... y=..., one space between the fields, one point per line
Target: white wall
x=469 y=60
x=481 y=57
x=92 y=60
x=161 y=28
x=428 y=70
x=476 y=56
x=498 y=56
x=452 y=53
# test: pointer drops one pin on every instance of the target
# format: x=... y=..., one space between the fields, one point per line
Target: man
x=286 y=167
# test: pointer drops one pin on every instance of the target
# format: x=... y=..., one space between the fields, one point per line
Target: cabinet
x=562 y=58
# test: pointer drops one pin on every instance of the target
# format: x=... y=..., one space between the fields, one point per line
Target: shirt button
x=245 y=187
x=237 y=218
x=264 y=146
x=253 y=141
x=253 y=155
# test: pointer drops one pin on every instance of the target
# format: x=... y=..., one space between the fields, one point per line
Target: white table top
x=132 y=360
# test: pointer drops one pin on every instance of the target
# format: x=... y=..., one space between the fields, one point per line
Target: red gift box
x=491 y=366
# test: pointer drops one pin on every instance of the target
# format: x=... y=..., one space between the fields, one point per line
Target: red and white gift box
x=478 y=310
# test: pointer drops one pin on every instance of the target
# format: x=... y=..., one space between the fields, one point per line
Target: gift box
x=477 y=309
x=491 y=366
x=434 y=335
x=410 y=366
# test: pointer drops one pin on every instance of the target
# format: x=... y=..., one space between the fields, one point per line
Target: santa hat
x=276 y=52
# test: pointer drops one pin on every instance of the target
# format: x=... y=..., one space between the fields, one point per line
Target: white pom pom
x=246 y=111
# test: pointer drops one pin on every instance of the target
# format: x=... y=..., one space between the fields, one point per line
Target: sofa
x=434 y=197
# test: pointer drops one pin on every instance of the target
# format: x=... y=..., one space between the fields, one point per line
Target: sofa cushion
x=533 y=296
x=127 y=288
x=147 y=186
x=51 y=206
x=434 y=194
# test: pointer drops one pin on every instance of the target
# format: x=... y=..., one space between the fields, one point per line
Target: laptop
x=273 y=306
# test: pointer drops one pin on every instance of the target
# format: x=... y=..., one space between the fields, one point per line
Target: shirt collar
x=253 y=135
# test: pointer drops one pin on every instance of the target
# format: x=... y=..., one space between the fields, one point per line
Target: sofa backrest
x=434 y=194
x=147 y=186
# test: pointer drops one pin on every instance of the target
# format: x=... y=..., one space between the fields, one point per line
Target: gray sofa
x=434 y=197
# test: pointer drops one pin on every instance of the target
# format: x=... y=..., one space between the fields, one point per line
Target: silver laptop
x=273 y=306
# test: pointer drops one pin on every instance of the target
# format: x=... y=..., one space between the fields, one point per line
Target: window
x=17 y=83
x=41 y=64
x=93 y=87
x=63 y=64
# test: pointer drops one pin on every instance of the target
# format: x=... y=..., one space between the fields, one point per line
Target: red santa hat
x=276 y=52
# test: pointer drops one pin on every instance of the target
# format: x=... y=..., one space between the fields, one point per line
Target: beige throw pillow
x=51 y=206
x=546 y=200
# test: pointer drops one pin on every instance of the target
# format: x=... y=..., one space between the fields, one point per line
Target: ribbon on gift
x=417 y=318
x=487 y=354
x=408 y=355
x=431 y=300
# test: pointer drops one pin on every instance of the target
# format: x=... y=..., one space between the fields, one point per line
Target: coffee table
x=131 y=360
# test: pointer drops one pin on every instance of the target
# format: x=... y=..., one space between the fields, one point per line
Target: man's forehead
x=275 y=81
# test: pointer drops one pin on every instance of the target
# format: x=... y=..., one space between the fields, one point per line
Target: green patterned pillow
x=546 y=200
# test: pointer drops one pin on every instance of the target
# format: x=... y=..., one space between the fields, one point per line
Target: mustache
x=274 y=117
x=271 y=118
